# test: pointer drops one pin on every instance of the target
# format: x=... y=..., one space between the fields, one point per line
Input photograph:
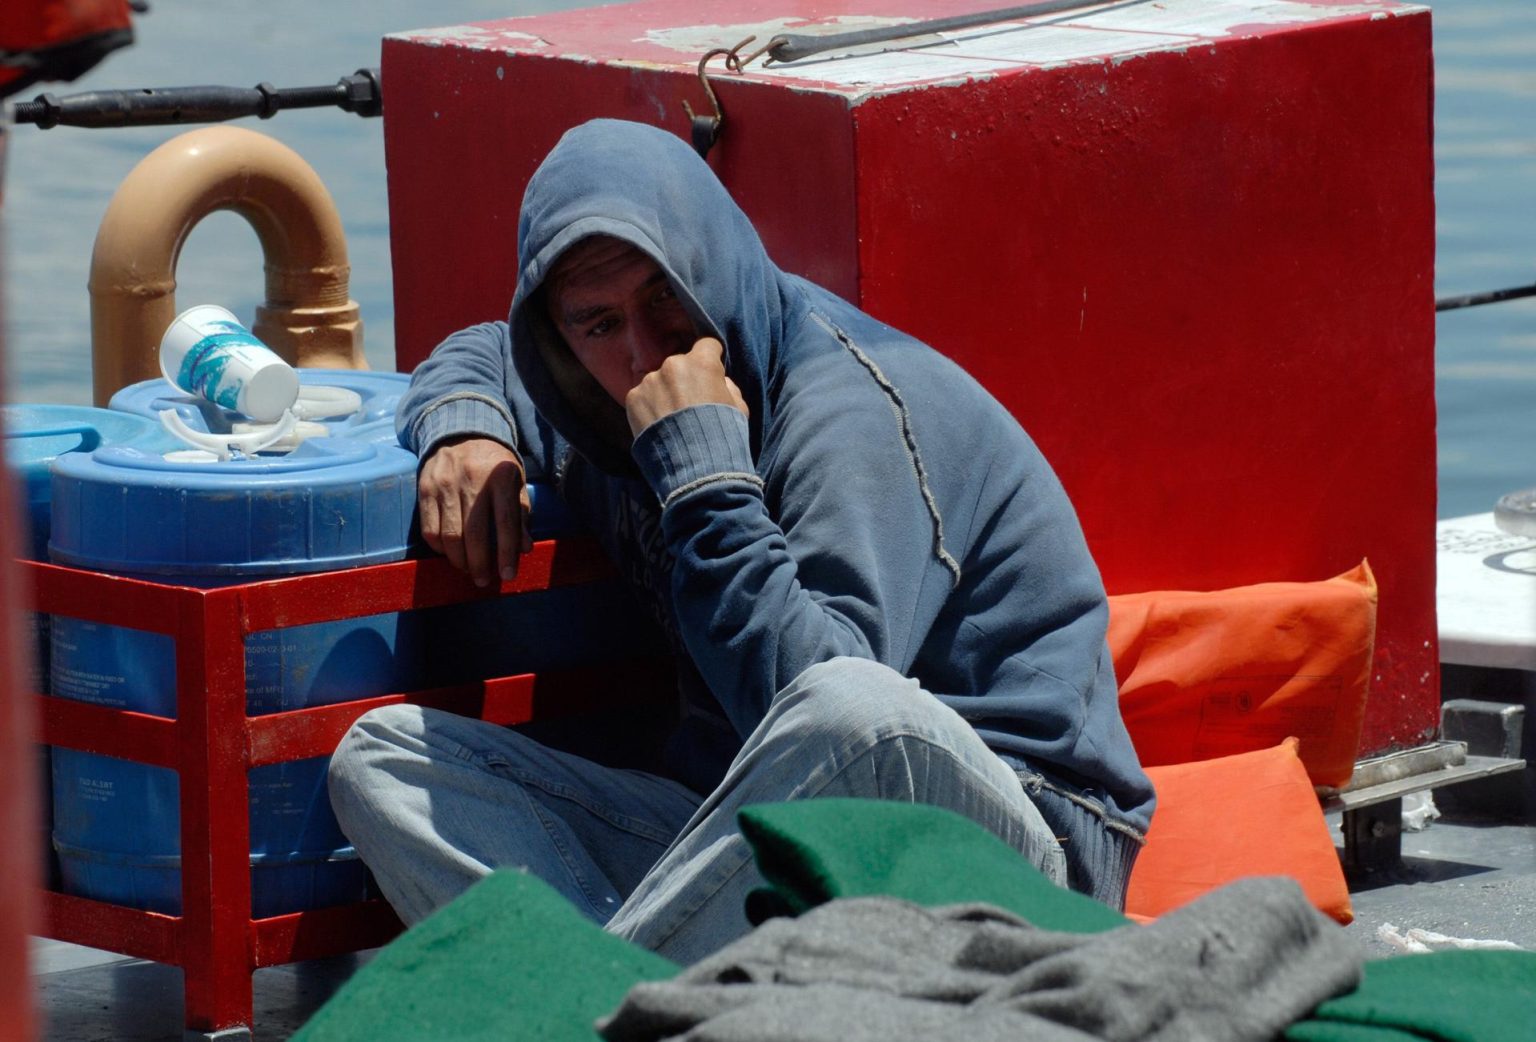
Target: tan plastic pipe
x=308 y=318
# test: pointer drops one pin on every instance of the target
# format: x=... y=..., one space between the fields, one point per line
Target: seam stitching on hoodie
x=904 y=420
x=710 y=479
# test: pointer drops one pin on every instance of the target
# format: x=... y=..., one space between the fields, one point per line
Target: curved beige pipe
x=307 y=318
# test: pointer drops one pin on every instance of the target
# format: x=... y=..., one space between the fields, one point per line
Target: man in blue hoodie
x=872 y=582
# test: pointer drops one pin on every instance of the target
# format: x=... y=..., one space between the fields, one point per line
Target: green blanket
x=511 y=959
x=1450 y=996
x=507 y=959
x=812 y=851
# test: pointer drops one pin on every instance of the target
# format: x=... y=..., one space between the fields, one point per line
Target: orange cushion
x=1204 y=675
x=1253 y=814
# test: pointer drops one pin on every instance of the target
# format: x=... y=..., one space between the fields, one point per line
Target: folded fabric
x=811 y=851
x=1450 y=996
x=1236 y=966
x=1211 y=673
x=507 y=959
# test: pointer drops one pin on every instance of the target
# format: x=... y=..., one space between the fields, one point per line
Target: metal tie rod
x=159 y=106
x=1492 y=296
x=789 y=47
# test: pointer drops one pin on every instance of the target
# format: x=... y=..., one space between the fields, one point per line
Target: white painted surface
x=1218 y=18
x=1110 y=31
x=996 y=48
x=1485 y=594
x=473 y=36
x=696 y=39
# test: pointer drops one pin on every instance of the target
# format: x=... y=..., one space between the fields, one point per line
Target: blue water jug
x=332 y=503
x=35 y=435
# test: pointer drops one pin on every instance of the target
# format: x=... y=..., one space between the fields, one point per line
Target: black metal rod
x=789 y=47
x=1493 y=296
x=159 y=106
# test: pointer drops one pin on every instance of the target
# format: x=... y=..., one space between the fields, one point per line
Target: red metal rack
x=212 y=743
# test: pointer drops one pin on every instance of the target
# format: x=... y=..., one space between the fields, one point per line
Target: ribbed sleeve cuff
x=459 y=415
x=695 y=447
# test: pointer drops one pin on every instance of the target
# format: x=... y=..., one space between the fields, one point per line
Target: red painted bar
x=1189 y=244
x=111 y=599
x=97 y=924
x=323 y=932
x=426 y=583
x=19 y=857
x=314 y=731
x=215 y=818
x=110 y=732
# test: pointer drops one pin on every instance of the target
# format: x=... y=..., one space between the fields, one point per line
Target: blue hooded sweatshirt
x=877 y=502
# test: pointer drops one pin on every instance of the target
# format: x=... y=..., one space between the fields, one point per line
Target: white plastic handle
x=224 y=446
x=325 y=403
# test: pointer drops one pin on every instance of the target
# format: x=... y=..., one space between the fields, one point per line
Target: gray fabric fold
x=1239 y=964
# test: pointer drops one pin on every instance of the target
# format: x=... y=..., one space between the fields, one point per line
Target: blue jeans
x=434 y=802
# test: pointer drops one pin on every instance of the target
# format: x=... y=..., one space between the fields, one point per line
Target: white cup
x=207 y=352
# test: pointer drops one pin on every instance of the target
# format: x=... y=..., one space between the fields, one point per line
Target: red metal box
x=1189 y=243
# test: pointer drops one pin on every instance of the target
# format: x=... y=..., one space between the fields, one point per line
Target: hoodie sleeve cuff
x=693 y=448
x=456 y=416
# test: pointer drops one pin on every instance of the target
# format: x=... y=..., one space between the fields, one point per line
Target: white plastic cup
x=207 y=352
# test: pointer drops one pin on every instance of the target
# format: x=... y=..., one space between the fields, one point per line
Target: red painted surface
x=18 y=777
x=1201 y=275
x=44 y=40
x=213 y=744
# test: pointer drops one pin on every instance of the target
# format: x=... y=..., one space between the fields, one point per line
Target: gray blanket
x=1239 y=964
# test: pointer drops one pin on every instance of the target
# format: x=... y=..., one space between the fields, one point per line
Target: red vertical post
x=215 y=812
x=18 y=797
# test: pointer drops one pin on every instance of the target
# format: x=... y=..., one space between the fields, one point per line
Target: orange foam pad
x=1253 y=814
x=1208 y=674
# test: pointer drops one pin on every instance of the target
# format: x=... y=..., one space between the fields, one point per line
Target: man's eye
x=602 y=328
x=665 y=295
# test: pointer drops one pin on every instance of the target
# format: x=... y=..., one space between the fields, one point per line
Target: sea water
x=60 y=181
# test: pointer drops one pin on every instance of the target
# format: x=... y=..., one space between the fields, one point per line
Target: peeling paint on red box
x=1189 y=244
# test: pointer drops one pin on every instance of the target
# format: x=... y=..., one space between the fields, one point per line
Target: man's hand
x=695 y=378
x=473 y=502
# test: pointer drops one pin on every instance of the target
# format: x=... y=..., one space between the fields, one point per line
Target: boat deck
x=1463 y=880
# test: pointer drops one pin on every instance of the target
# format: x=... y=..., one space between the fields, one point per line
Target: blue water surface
x=59 y=183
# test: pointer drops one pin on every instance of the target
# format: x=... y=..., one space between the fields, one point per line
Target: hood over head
x=647 y=187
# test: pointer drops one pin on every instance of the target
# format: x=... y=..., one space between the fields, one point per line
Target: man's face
x=617 y=312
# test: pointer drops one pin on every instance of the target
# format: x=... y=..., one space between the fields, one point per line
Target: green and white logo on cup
x=209 y=353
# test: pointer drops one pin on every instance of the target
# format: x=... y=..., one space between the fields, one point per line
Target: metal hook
x=738 y=64
x=706 y=129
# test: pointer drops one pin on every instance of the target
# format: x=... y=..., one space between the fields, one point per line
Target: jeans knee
x=862 y=698
x=357 y=754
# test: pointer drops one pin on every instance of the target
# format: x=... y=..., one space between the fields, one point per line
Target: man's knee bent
x=863 y=698
x=374 y=734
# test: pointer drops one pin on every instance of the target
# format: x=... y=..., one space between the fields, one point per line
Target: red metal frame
x=213 y=743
